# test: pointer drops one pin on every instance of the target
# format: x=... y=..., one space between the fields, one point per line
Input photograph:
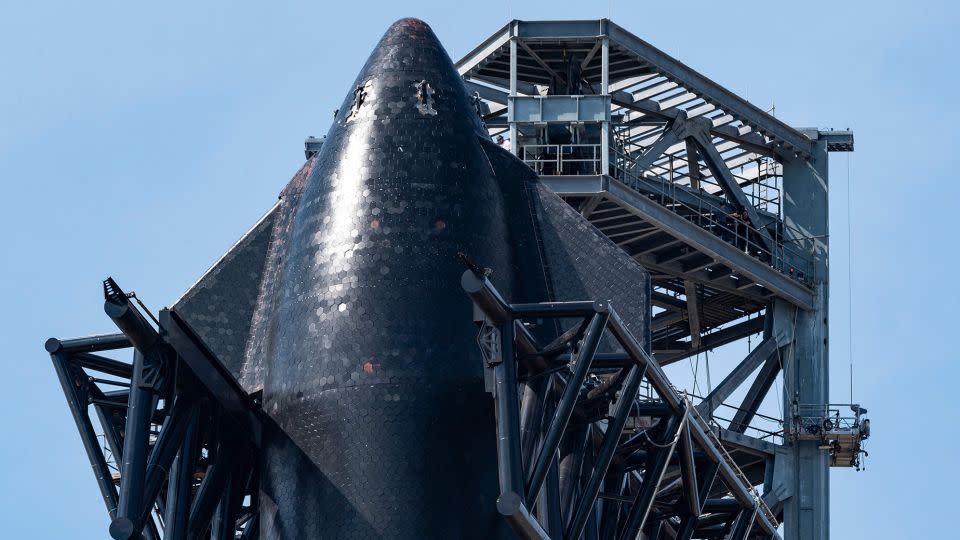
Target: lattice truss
x=171 y=437
x=601 y=445
x=682 y=146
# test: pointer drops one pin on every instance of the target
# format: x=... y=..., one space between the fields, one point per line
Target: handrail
x=784 y=258
x=566 y=159
x=708 y=429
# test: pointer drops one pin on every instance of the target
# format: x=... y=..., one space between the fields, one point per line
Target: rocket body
x=370 y=370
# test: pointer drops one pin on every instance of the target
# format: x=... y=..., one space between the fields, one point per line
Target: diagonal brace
x=729 y=385
x=730 y=186
x=561 y=418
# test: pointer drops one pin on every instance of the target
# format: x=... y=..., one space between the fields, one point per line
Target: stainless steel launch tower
x=723 y=203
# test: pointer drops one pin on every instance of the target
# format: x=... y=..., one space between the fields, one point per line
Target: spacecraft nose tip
x=411 y=32
x=410 y=22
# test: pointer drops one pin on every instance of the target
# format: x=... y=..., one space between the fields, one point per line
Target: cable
x=706 y=356
x=693 y=371
x=676 y=438
x=850 y=271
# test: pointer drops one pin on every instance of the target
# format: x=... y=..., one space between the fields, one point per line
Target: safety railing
x=562 y=159
x=817 y=420
x=774 y=434
x=761 y=504
x=719 y=218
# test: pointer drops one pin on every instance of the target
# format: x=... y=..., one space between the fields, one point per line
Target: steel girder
x=176 y=411
x=614 y=486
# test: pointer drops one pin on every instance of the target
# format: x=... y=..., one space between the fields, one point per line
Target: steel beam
x=668 y=138
x=693 y=312
x=507 y=402
x=709 y=90
x=182 y=416
x=180 y=484
x=745 y=443
x=72 y=384
x=510 y=505
x=653 y=475
x=482 y=52
x=607 y=448
x=758 y=390
x=739 y=491
x=107 y=342
x=714 y=339
x=735 y=378
x=688 y=472
x=744 y=524
x=711 y=245
x=133 y=468
x=806 y=513
x=732 y=189
x=561 y=417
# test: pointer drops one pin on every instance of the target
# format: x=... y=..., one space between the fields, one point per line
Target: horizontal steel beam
x=714 y=339
x=105 y=342
x=746 y=443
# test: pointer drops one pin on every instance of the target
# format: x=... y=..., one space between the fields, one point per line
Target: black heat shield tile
x=370 y=364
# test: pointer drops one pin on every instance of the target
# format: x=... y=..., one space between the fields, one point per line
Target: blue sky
x=140 y=140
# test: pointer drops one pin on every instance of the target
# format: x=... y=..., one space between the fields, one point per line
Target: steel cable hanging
x=850 y=273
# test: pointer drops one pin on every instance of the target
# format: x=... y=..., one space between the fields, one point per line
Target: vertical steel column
x=605 y=90
x=548 y=504
x=508 y=415
x=223 y=525
x=180 y=485
x=182 y=416
x=514 y=147
x=806 y=373
x=551 y=500
x=136 y=444
x=532 y=409
x=571 y=461
x=510 y=504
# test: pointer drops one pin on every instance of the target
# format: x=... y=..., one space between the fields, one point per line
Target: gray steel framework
x=722 y=202
x=674 y=473
x=179 y=435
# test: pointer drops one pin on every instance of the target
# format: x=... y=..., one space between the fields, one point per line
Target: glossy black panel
x=263 y=328
x=220 y=305
x=373 y=371
x=553 y=244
